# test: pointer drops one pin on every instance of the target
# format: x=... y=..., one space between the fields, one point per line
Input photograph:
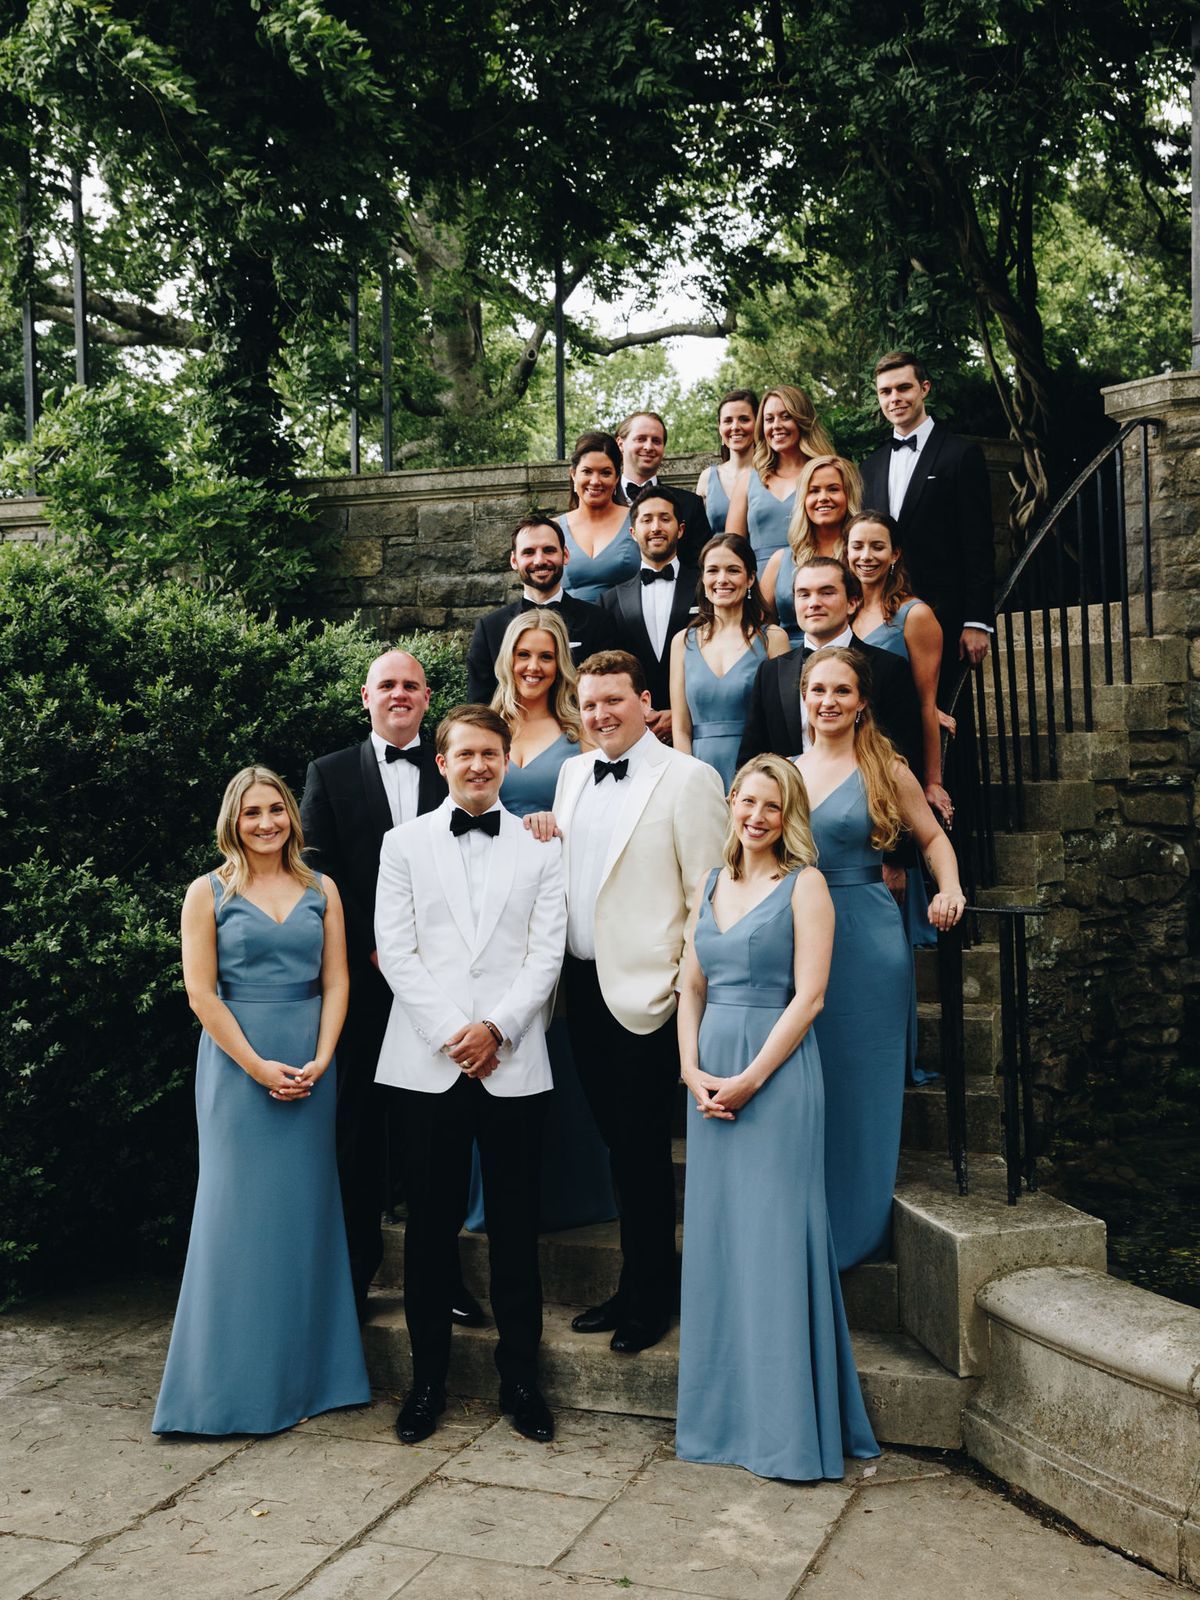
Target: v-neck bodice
x=890 y=635
x=755 y=952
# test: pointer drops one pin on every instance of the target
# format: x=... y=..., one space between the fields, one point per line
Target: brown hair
x=800 y=533
x=609 y=663
x=624 y=427
x=897 y=586
x=901 y=358
x=794 y=847
x=874 y=752
x=537 y=519
x=234 y=871
x=751 y=399
x=563 y=700
x=595 y=442
x=754 y=610
x=814 y=441
x=854 y=589
x=472 y=716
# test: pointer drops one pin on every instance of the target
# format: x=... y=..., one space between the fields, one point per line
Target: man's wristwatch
x=494 y=1031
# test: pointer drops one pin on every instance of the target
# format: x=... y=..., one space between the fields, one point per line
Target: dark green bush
x=121 y=719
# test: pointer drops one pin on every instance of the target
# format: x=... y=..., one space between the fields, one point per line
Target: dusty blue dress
x=766 y=1371
x=590 y=577
x=716 y=501
x=576 y=1178
x=921 y=933
x=767 y=518
x=785 y=598
x=862 y=1031
x=265 y=1332
x=718 y=706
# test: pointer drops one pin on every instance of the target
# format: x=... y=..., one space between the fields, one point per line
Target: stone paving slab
x=524 y=1527
x=370 y=1571
x=592 y=1455
x=459 y=1578
x=460 y=1423
x=25 y=1563
x=952 y=1536
x=715 y=1531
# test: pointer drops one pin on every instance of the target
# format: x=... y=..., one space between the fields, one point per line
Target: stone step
x=910 y=1397
x=981 y=1037
x=1159 y=660
x=1055 y=806
x=924 y=1125
x=981 y=974
x=1118 y=707
x=1101 y=755
x=1029 y=857
x=580 y=1267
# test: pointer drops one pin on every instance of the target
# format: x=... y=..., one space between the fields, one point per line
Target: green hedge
x=120 y=722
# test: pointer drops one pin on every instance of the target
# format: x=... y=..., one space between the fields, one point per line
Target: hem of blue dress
x=781 y=1477
x=263 y=1433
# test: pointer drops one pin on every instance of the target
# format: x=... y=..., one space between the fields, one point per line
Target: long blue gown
x=920 y=932
x=718 y=705
x=716 y=501
x=785 y=598
x=265 y=1332
x=590 y=577
x=576 y=1177
x=766 y=1370
x=766 y=518
x=862 y=1031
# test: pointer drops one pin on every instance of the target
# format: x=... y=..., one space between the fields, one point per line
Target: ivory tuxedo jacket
x=670 y=833
x=445 y=969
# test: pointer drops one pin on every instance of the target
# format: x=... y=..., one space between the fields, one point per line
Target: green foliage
x=127 y=491
x=121 y=719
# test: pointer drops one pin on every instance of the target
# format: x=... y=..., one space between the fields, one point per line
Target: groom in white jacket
x=470 y=923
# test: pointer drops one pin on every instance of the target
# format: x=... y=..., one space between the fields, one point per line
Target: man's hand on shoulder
x=542 y=826
x=659 y=723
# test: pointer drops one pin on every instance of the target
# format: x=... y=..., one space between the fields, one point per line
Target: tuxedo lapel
x=788 y=685
x=633 y=620
x=926 y=466
x=452 y=874
x=502 y=867
x=642 y=782
x=379 y=813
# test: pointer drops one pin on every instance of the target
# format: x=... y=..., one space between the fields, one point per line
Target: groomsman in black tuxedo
x=650 y=609
x=936 y=487
x=538 y=554
x=351 y=799
x=827 y=595
x=643 y=441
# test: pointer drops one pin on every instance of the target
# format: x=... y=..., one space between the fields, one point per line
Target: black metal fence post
x=28 y=325
x=79 y=279
x=355 y=420
x=385 y=331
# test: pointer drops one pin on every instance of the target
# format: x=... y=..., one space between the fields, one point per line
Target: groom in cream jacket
x=643 y=825
x=470 y=918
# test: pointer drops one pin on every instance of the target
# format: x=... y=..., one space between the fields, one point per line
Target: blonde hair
x=794 y=847
x=564 y=692
x=801 y=536
x=814 y=441
x=234 y=871
x=874 y=752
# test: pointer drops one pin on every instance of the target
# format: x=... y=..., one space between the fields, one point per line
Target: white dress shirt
x=657 y=599
x=538 y=599
x=593 y=823
x=476 y=847
x=843 y=639
x=401 y=779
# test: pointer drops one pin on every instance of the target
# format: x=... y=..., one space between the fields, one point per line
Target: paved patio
x=92 y=1505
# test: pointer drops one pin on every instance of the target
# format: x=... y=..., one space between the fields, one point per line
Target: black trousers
x=362 y=1126
x=436 y=1135
x=630 y=1081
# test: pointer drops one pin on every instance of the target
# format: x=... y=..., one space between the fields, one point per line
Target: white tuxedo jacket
x=671 y=832
x=445 y=970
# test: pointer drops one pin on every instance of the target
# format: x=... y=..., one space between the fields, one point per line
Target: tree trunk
x=244 y=410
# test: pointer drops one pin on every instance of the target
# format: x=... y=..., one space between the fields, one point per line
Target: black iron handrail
x=1016 y=1064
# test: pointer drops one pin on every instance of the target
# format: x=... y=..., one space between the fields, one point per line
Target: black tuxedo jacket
x=624 y=605
x=696 y=528
x=773 y=717
x=946 y=530
x=588 y=628
x=345 y=814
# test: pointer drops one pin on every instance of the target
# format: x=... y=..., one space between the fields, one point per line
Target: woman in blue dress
x=862 y=795
x=266 y=1331
x=601 y=551
x=713 y=661
x=829 y=492
x=735 y=429
x=766 y=1370
x=786 y=435
x=536 y=696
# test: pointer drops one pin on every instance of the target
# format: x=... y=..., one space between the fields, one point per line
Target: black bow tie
x=411 y=755
x=463 y=822
x=906 y=444
x=618 y=769
x=666 y=574
x=540 y=605
x=632 y=490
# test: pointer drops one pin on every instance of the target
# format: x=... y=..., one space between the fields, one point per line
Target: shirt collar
x=635 y=755
x=842 y=640
x=919 y=434
x=543 y=599
x=673 y=564
x=382 y=746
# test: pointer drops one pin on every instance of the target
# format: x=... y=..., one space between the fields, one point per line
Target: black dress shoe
x=634 y=1334
x=529 y=1412
x=423 y=1405
x=466 y=1310
x=599 y=1319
